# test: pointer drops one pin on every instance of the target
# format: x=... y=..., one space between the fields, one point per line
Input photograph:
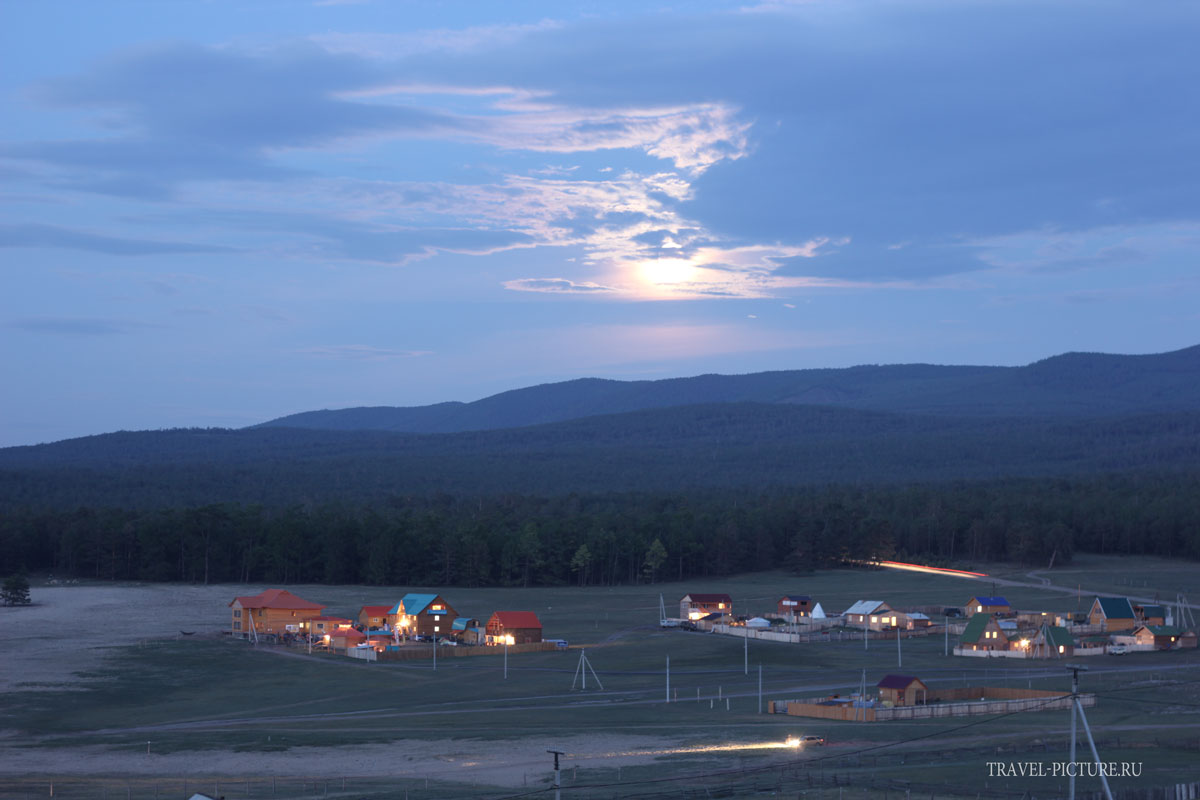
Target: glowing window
x=893 y=620
x=436 y=618
x=436 y=628
x=720 y=605
x=979 y=609
x=1061 y=649
x=874 y=618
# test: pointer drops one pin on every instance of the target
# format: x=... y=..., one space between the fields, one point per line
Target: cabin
x=513 y=627
x=988 y=605
x=983 y=632
x=918 y=620
x=422 y=615
x=794 y=606
x=344 y=638
x=902 y=690
x=697 y=606
x=1053 y=641
x=273 y=612
x=1112 y=614
x=1163 y=637
x=874 y=615
x=373 y=616
x=1150 y=615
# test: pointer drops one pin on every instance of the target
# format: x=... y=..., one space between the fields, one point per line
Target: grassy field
x=241 y=712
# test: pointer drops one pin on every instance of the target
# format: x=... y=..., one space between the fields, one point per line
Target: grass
x=219 y=694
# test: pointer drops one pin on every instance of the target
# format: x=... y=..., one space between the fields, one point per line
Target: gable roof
x=707 y=598
x=1115 y=607
x=375 y=611
x=1059 y=636
x=517 y=619
x=864 y=607
x=1164 y=630
x=414 y=603
x=898 y=681
x=1153 y=611
x=992 y=601
x=975 y=627
x=276 y=598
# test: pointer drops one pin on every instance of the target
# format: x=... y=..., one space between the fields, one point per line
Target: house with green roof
x=1053 y=641
x=983 y=632
x=1162 y=637
x=420 y=614
x=1113 y=614
x=1150 y=615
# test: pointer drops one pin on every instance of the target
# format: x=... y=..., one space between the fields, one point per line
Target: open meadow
x=104 y=697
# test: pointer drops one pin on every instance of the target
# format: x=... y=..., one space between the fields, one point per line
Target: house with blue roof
x=988 y=605
x=419 y=614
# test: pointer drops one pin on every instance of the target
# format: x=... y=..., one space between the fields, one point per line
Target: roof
x=517 y=619
x=277 y=598
x=799 y=598
x=375 y=611
x=708 y=598
x=324 y=618
x=346 y=633
x=974 y=630
x=1060 y=636
x=1163 y=630
x=1115 y=607
x=1153 y=611
x=864 y=607
x=917 y=615
x=413 y=603
x=897 y=681
x=991 y=601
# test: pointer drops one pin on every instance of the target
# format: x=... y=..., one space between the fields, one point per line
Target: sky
x=216 y=213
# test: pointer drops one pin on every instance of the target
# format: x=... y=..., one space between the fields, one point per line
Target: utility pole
x=434 y=653
x=668 y=679
x=899 y=657
x=746 y=650
x=1077 y=708
x=946 y=630
x=557 y=784
x=506 y=659
x=760 y=688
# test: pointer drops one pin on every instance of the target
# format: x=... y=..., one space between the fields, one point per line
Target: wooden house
x=874 y=615
x=983 y=632
x=423 y=615
x=373 y=616
x=344 y=638
x=1053 y=641
x=467 y=631
x=902 y=690
x=513 y=627
x=794 y=606
x=988 y=605
x=319 y=626
x=1112 y=614
x=1150 y=615
x=697 y=606
x=1163 y=637
x=273 y=612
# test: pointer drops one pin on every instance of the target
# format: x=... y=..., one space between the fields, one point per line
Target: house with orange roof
x=273 y=612
x=513 y=627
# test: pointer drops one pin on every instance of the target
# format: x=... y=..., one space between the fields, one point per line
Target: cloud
x=554 y=286
x=34 y=235
x=78 y=326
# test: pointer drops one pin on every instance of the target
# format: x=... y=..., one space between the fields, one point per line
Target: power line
x=770 y=767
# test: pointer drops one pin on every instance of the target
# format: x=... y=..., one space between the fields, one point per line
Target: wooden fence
x=950 y=702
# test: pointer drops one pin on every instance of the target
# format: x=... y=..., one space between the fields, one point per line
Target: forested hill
x=691 y=447
x=1074 y=385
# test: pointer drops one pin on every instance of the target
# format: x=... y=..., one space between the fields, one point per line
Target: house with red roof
x=273 y=612
x=513 y=627
x=373 y=616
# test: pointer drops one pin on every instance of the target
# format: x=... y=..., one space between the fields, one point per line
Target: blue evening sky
x=217 y=212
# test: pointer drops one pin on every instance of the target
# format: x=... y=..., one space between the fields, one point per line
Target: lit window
x=979 y=609
x=436 y=628
x=874 y=618
x=237 y=612
x=1061 y=649
x=436 y=618
x=720 y=605
x=893 y=620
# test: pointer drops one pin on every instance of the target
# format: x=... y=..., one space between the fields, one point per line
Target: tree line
x=609 y=538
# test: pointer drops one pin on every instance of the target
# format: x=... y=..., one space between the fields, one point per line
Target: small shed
x=918 y=620
x=902 y=690
x=758 y=622
x=513 y=627
x=1113 y=614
